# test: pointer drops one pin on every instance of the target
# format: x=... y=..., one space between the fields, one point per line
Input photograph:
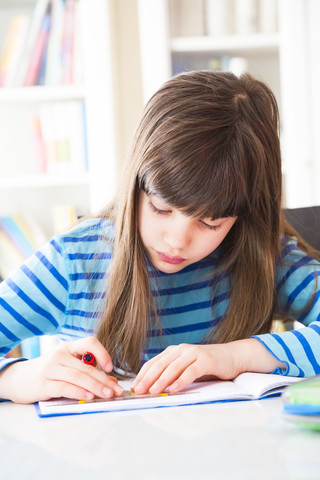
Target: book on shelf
x=38 y=142
x=219 y=15
x=268 y=16
x=219 y=63
x=187 y=18
x=39 y=12
x=63 y=217
x=39 y=52
x=54 y=67
x=247 y=386
x=64 y=49
x=246 y=14
x=12 y=50
x=68 y=41
x=20 y=236
x=44 y=48
x=59 y=133
x=77 y=47
x=225 y=63
x=222 y=17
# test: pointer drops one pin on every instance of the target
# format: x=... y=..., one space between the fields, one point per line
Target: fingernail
x=138 y=388
x=108 y=367
x=118 y=389
x=174 y=387
x=154 y=388
x=107 y=392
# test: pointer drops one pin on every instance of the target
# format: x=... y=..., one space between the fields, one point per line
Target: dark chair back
x=306 y=221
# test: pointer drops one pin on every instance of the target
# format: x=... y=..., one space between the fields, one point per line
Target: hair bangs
x=199 y=188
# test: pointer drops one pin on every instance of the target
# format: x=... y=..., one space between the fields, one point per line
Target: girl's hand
x=61 y=373
x=180 y=365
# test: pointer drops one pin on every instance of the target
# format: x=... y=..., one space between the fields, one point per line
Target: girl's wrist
x=252 y=356
x=7 y=376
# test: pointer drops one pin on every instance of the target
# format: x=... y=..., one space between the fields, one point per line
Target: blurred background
x=75 y=75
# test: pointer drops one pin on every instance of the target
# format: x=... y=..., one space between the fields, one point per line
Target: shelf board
x=38 y=180
x=42 y=93
x=227 y=44
x=16 y=3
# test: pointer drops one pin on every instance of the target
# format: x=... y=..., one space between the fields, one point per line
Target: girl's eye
x=210 y=227
x=157 y=210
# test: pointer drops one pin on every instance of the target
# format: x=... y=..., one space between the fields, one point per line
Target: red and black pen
x=89 y=359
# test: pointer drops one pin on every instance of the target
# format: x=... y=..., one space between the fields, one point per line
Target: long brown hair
x=208 y=144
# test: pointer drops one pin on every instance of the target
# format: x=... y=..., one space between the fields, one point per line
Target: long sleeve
x=60 y=289
x=33 y=300
x=298 y=291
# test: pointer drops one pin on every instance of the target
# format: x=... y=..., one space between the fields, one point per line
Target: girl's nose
x=178 y=235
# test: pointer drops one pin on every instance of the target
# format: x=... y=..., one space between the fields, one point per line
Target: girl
x=180 y=278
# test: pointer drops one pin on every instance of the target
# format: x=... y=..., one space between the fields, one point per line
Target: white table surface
x=238 y=440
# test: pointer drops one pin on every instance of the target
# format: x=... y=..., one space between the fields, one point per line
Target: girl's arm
x=33 y=299
x=60 y=374
x=179 y=365
x=298 y=289
x=36 y=300
x=295 y=352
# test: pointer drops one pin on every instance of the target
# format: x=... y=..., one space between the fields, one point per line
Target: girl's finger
x=56 y=389
x=65 y=359
x=143 y=370
x=154 y=370
x=103 y=388
x=173 y=351
x=173 y=372
x=68 y=360
x=189 y=375
x=78 y=348
x=107 y=381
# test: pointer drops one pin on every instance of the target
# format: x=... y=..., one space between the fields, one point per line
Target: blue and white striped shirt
x=60 y=290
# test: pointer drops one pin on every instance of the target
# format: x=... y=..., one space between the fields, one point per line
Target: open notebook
x=247 y=386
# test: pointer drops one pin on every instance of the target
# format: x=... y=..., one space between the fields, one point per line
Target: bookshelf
x=89 y=183
x=257 y=53
x=42 y=94
x=76 y=119
x=200 y=49
x=283 y=57
x=44 y=180
x=232 y=44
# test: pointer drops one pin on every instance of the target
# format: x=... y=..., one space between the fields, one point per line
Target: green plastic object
x=302 y=403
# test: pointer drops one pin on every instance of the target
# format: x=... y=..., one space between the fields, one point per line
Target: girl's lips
x=167 y=259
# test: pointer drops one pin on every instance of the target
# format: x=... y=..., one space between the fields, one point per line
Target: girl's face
x=174 y=240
